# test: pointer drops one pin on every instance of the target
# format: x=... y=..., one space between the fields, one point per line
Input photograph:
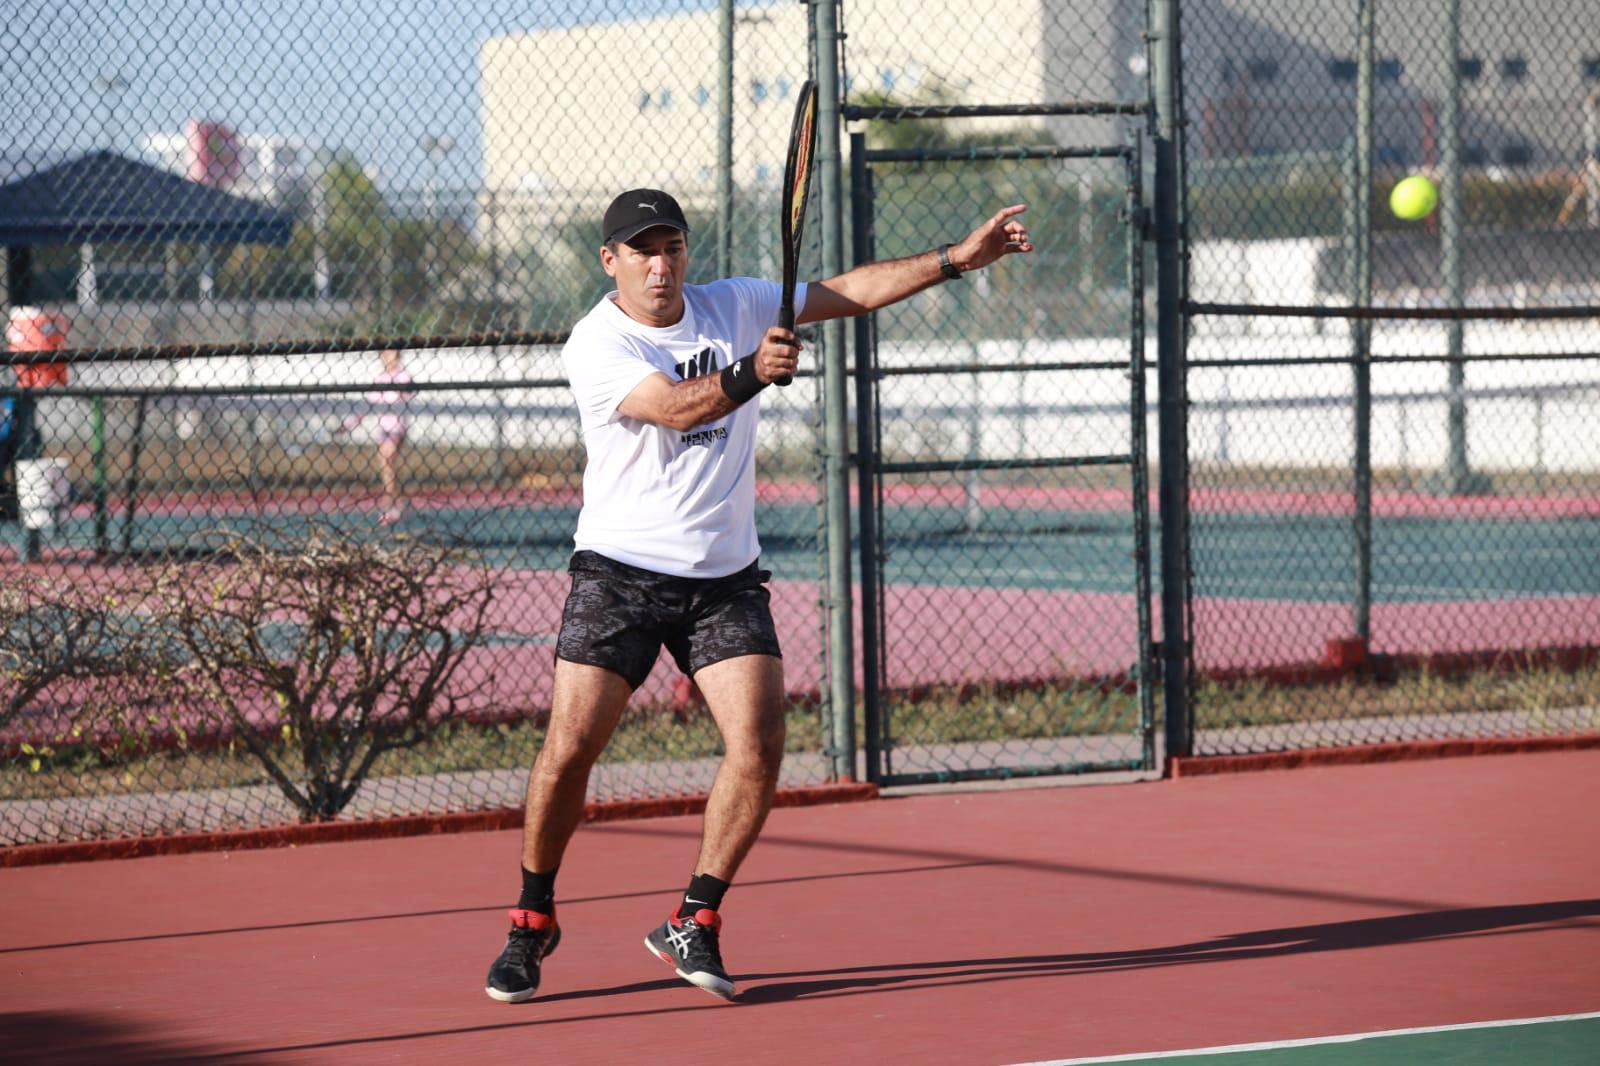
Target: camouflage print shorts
x=618 y=617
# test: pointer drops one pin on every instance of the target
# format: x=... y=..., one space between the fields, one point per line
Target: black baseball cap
x=638 y=210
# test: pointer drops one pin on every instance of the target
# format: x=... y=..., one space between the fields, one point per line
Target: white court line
x=1346 y=1038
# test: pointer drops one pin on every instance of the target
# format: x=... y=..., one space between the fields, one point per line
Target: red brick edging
x=1206 y=765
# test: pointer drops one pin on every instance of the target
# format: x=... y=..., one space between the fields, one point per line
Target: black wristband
x=739 y=380
x=947 y=268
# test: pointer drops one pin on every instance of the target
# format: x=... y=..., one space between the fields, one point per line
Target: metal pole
x=501 y=413
x=1458 y=472
x=1172 y=374
x=836 y=421
x=97 y=420
x=386 y=271
x=130 y=491
x=1361 y=329
x=321 y=271
x=725 y=140
x=866 y=467
x=1138 y=479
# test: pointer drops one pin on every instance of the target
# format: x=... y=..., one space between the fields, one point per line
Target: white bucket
x=42 y=487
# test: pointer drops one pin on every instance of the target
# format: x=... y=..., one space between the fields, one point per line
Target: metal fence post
x=836 y=421
x=1460 y=480
x=1361 y=329
x=1173 y=430
x=725 y=139
x=1139 y=468
x=861 y=208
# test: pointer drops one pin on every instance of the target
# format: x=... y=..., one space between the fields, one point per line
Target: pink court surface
x=953 y=927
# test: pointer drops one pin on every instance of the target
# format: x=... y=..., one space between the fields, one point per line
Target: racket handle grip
x=785 y=321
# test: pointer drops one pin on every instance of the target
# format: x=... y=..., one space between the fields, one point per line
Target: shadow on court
x=493 y=909
x=50 y=1037
x=1258 y=944
x=898 y=976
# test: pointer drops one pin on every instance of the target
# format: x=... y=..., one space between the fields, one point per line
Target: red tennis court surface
x=960 y=927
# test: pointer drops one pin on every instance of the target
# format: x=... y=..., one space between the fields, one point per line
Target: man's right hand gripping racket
x=796 y=187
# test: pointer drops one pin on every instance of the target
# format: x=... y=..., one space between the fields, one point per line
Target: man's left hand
x=1004 y=234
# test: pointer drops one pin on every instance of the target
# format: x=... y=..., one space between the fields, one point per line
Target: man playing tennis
x=665 y=375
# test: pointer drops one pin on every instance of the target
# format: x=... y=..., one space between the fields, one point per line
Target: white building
x=566 y=110
x=572 y=113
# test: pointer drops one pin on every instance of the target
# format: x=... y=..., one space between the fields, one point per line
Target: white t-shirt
x=679 y=502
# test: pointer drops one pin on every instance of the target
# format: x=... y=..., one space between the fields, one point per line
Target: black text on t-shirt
x=704 y=436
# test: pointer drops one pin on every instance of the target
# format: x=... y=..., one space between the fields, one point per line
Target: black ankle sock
x=538 y=892
x=704 y=892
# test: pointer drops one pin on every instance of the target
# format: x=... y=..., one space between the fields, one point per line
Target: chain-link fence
x=1395 y=518
x=306 y=272
x=309 y=268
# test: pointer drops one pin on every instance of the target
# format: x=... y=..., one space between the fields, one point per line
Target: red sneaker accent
x=531 y=919
x=710 y=918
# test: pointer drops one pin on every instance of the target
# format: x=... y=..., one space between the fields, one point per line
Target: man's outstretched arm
x=874 y=285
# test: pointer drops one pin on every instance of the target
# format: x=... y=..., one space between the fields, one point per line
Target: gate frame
x=867 y=456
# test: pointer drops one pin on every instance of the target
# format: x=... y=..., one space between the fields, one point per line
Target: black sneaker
x=691 y=946
x=514 y=977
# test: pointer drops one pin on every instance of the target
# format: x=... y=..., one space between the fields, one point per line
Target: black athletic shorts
x=618 y=616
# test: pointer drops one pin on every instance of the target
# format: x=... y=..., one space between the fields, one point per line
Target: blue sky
x=373 y=77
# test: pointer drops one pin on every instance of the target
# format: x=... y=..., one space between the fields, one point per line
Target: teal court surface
x=1557 y=1041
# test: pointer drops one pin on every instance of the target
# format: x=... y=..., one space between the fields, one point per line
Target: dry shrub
x=343 y=648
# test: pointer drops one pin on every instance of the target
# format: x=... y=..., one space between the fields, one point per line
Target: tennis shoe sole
x=706 y=981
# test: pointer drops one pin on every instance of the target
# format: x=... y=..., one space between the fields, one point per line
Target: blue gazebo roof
x=103 y=196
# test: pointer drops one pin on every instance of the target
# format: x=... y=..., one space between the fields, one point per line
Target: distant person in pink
x=390 y=398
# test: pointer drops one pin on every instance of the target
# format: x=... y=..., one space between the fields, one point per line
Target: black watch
x=947 y=268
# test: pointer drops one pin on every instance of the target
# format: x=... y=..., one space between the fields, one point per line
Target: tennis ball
x=1413 y=197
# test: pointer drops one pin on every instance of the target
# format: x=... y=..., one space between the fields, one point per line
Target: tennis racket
x=796 y=187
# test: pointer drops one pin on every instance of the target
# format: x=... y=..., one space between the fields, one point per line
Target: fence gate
x=1003 y=517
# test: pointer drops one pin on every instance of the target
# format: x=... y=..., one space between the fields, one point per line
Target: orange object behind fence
x=32 y=330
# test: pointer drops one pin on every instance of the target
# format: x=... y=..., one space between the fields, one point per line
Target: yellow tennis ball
x=1413 y=197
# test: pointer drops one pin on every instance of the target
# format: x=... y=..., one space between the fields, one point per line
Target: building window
x=664 y=99
x=783 y=88
x=1390 y=69
x=1513 y=68
x=1591 y=68
x=886 y=78
x=762 y=173
x=701 y=95
x=644 y=100
x=1263 y=69
x=758 y=91
x=1474 y=154
x=1342 y=69
x=1470 y=68
x=1516 y=155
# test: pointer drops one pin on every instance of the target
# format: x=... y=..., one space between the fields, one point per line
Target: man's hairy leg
x=586 y=705
x=745 y=696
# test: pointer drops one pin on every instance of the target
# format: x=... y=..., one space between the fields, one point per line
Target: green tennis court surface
x=1284 y=557
x=1554 y=1041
